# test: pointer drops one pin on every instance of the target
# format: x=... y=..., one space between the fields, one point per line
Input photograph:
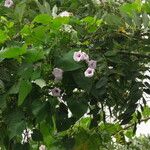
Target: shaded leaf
x=25 y=88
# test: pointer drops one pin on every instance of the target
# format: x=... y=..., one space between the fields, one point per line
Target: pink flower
x=42 y=147
x=8 y=3
x=58 y=74
x=89 y=72
x=78 y=56
x=85 y=56
x=56 y=92
x=92 y=64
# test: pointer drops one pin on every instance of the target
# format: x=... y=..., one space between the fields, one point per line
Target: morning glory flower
x=8 y=3
x=58 y=74
x=92 y=64
x=85 y=56
x=56 y=92
x=78 y=56
x=89 y=72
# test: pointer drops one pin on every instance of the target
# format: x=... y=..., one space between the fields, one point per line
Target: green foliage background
x=33 y=42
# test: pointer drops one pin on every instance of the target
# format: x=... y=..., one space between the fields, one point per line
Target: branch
x=131 y=125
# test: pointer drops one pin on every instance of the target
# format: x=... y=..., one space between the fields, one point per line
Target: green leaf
x=3 y=36
x=85 y=122
x=77 y=107
x=37 y=135
x=145 y=19
x=82 y=81
x=130 y=8
x=67 y=62
x=46 y=130
x=98 y=92
x=2 y=86
x=40 y=82
x=26 y=31
x=19 y=11
x=111 y=128
x=34 y=55
x=16 y=124
x=39 y=109
x=110 y=53
x=43 y=18
x=112 y=19
x=12 y=52
x=15 y=88
x=101 y=83
x=146 y=7
x=58 y=22
x=3 y=101
x=25 y=88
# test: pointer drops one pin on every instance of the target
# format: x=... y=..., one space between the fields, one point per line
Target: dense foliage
x=73 y=73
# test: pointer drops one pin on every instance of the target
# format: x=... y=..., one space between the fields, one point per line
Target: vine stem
x=131 y=125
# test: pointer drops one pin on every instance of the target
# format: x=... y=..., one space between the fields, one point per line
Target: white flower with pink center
x=92 y=64
x=42 y=147
x=56 y=92
x=58 y=74
x=78 y=56
x=8 y=3
x=89 y=72
x=85 y=56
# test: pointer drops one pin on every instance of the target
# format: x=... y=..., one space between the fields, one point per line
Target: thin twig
x=131 y=125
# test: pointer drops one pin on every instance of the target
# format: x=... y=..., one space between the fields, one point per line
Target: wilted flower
x=56 y=92
x=92 y=64
x=58 y=74
x=89 y=72
x=65 y=14
x=85 y=56
x=8 y=3
x=78 y=56
x=26 y=135
x=42 y=147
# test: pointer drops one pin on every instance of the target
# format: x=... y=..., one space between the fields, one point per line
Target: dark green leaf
x=37 y=135
x=25 y=88
x=67 y=63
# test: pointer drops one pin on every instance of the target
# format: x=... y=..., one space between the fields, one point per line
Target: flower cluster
x=58 y=74
x=8 y=3
x=67 y=28
x=82 y=56
x=26 y=135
